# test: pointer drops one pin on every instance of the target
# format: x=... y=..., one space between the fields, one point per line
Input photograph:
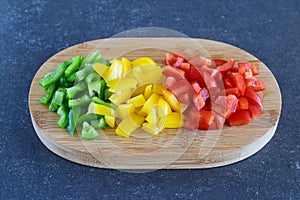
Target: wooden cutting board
x=172 y=149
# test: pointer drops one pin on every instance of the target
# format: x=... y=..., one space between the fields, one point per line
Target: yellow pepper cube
x=121 y=133
x=163 y=107
x=142 y=61
x=130 y=124
x=137 y=101
x=113 y=83
x=157 y=88
x=122 y=84
x=147 y=74
x=104 y=110
x=99 y=68
x=152 y=117
x=172 y=100
x=126 y=66
x=148 y=91
x=151 y=101
x=114 y=71
x=138 y=91
x=110 y=121
x=124 y=110
x=120 y=97
x=151 y=128
x=173 y=120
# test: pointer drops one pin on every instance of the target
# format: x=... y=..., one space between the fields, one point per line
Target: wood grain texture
x=172 y=149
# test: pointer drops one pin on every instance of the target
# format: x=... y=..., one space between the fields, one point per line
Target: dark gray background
x=32 y=31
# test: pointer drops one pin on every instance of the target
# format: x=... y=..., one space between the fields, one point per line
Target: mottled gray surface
x=31 y=32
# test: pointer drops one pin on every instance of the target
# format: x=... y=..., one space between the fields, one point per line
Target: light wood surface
x=172 y=149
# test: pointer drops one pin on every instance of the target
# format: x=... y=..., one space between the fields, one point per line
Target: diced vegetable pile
x=91 y=93
x=215 y=91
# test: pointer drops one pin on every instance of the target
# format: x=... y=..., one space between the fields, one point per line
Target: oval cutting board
x=172 y=149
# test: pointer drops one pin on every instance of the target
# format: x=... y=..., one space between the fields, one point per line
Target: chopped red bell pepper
x=240 y=117
x=195 y=75
x=253 y=97
x=206 y=119
x=198 y=101
x=192 y=119
x=239 y=82
x=243 y=103
x=170 y=80
x=170 y=60
x=196 y=87
x=233 y=91
x=204 y=93
x=231 y=105
x=219 y=121
x=178 y=55
x=219 y=62
x=226 y=67
x=254 y=70
x=178 y=62
x=180 y=87
x=255 y=111
x=257 y=85
x=174 y=72
x=186 y=67
x=228 y=82
x=248 y=74
x=185 y=98
x=243 y=67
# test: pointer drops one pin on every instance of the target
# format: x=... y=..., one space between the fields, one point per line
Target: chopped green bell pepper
x=59 y=96
x=78 y=102
x=74 y=66
x=63 y=116
x=54 y=76
x=49 y=93
x=86 y=118
x=88 y=132
x=73 y=116
x=99 y=124
x=72 y=91
x=101 y=102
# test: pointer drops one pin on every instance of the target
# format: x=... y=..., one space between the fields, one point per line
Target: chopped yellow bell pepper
x=148 y=91
x=126 y=66
x=157 y=88
x=142 y=61
x=121 y=84
x=114 y=71
x=101 y=109
x=120 y=132
x=151 y=128
x=161 y=123
x=146 y=74
x=172 y=100
x=137 y=101
x=152 y=117
x=173 y=120
x=110 y=121
x=113 y=83
x=163 y=107
x=124 y=110
x=104 y=110
x=99 y=68
x=129 y=124
x=120 y=97
x=139 y=90
x=151 y=101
